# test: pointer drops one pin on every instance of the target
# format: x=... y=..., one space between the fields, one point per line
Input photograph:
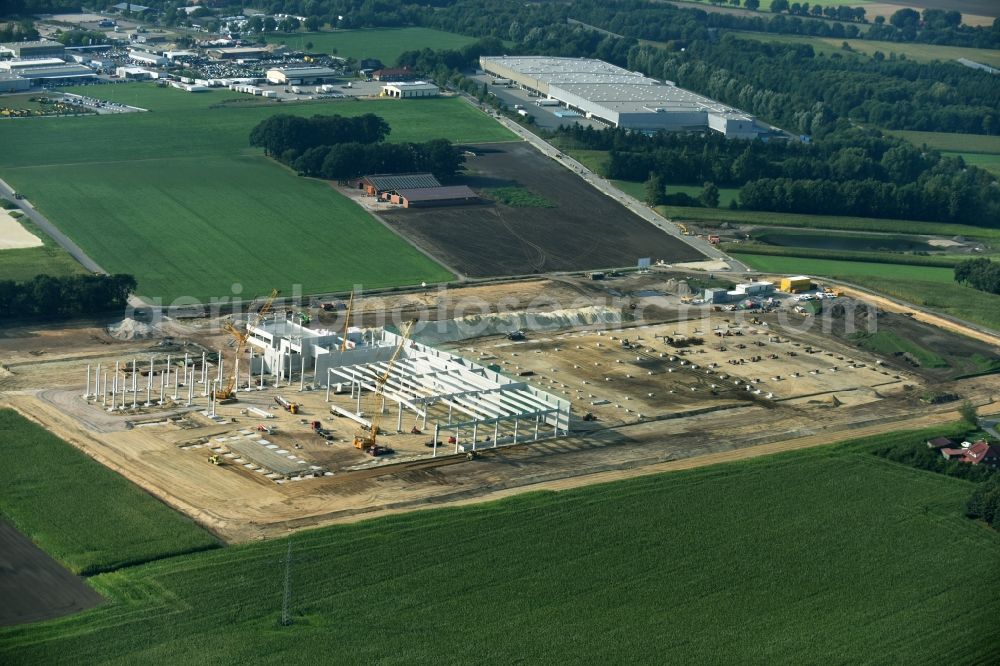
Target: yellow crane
x=228 y=392
x=347 y=323
x=366 y=440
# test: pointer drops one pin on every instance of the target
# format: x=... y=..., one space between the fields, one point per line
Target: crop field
x=178 y=198
x=386 y=44
x=989 y=163
x=831 y=552
x=83 y=514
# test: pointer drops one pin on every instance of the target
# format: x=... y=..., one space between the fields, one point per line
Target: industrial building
x=742 y=291
x=43 y=71
x=44 y=48
x=301 y=75
x=620 y=98
x=147 y=58
x=10 y=82
x=467 y=402
x=135 y=73
x=424 y=197
x=395 y=74
x=379 y=184
x=408 y=89
x=238 y=53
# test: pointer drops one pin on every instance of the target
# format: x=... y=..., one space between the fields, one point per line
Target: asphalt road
x=43 y=223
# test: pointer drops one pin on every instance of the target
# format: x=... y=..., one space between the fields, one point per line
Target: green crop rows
x=177 y=197
x=80 y=512
x=830 y=554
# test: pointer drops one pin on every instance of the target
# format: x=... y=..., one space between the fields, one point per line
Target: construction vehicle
x=517 y=335
x=713 y=240
x=228 y=392
x=215 y=459
x=683 y=229
x=347 y=323
x=304 y=318
x=366 y=439
x=291 y=407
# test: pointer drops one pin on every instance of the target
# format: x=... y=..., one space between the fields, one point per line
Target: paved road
x=50 y=229
x=633 y=204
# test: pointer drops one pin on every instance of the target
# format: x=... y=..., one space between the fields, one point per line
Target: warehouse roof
x=438 y=193
x=296 y=72
x=611 y=86
x=401 y=181
x=17 y=46
x=58 y=72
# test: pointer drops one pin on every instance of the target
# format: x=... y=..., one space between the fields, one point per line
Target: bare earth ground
x=14 y=235
x=585 y=229
x=35 y=587
x=44 y=369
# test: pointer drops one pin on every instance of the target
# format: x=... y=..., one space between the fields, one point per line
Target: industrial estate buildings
x=621 y=98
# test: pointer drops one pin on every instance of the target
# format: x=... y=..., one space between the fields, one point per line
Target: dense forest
x=850 y=172
x=56 y=297
x=981 y=274
x=337 y=148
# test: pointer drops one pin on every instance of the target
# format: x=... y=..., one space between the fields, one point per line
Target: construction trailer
x=465 y=403
x=797 y=284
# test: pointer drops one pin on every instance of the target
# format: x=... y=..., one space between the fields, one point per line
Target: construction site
x=278 y=419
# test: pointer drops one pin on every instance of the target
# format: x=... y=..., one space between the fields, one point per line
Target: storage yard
x=285 y=456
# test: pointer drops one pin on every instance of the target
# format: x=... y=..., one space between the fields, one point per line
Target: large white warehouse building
x=621 y=98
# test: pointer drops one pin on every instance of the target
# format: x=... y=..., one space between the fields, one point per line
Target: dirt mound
x=130 y=329
x=474 y=326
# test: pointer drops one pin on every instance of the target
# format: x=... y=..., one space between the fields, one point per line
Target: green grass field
x=25 y=263
x=386 y=44
x=888 y=343
x=845 y=270
x=638 y=190
x=989 y=163
x=83 y=514
x=517 y=197
x=795 y=220
x=975 y=149
x=829 y=554
x=178 y=198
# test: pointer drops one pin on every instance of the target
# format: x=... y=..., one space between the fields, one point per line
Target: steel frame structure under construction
x=471 y=404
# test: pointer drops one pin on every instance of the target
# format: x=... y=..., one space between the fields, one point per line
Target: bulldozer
x=215 y=459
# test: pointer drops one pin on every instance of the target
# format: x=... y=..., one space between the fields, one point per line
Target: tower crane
x=228 y=392
x=366 y=440
x=347 y=323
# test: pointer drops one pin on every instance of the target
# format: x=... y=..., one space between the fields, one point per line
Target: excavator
x=366 y=439
x=228 y=392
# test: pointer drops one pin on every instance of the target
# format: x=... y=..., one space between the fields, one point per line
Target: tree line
x=790 y=85
x=981 y=274
x=60 y=297
x=853 y=171
x=337 y=148
x=984 y=503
